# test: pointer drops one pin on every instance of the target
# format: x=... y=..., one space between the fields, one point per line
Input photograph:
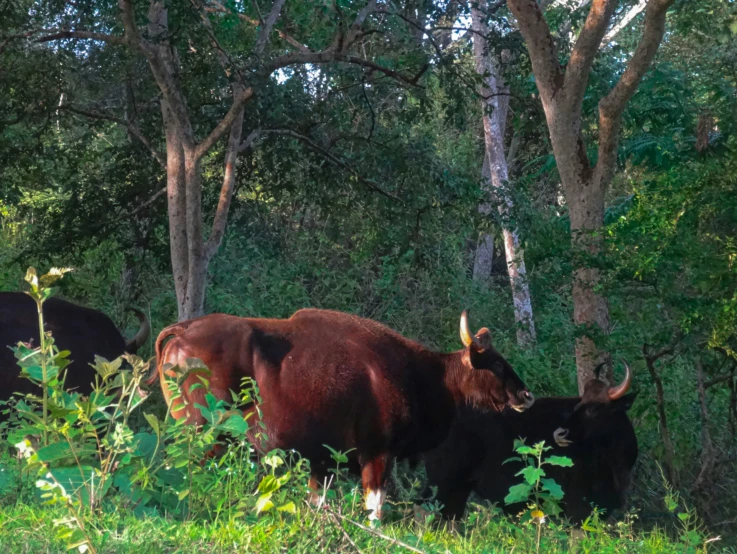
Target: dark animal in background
x=82 y=331
x=593 y=430
x=332 y=378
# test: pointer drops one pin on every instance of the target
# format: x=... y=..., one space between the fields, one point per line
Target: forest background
x=569 y=182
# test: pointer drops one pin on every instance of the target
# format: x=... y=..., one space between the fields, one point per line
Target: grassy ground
x=26 y=528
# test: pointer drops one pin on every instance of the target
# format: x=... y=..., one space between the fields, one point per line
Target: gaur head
x=595 y=415
x=488 y=379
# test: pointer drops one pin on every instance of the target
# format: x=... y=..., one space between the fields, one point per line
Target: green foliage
x=94 y=473
x=542 y=495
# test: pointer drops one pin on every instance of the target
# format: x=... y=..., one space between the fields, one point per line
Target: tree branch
x=330 y=56
x=629 y=16
x=226 y=191
x=132 y=128
x=148 y=202
x=132 y=35
x=708 y=457
x=540 y=45
x=268 y=25
x=716 y=380
x=650 y=359
x=216 y=7
x=374 y=532
x=78 y=34
x=612 y=105
x=240 y=98
x=587 y=45
x=355 y=28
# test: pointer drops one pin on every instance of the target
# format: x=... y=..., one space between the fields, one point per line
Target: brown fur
x=332 y=378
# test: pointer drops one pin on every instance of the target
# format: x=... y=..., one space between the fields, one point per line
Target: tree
x=495 y=174
x=248 y=73
x=562 y=90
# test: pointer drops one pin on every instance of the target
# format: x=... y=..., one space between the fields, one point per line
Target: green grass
x=30 y=528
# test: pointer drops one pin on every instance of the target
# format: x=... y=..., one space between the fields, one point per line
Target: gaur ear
x=625 y=403
x=483 y=340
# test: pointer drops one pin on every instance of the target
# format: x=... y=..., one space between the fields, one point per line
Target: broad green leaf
x=531 y=474
x=54 y=452
x=268 y=485
x=236 y=425
x=512 y=459
x=153 y=421
x=264 y=504
x=288 y=507
x=562 y=461
x=145 y=445
x=553 y=488
x=518 y=493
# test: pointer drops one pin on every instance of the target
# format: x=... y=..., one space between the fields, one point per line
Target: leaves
x=553 y=488
x=518 y=493
x=561 y=461
x=531 y=474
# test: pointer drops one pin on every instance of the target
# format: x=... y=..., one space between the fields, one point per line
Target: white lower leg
x=374 y=501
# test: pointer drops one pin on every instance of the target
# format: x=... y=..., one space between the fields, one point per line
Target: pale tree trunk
x=495 y=106
x=191 y=250
x=561 y=93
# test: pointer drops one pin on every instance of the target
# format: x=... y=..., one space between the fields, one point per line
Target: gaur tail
x=171 y=331
x=143 y=333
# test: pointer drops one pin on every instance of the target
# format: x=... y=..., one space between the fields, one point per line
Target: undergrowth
x=76 y=473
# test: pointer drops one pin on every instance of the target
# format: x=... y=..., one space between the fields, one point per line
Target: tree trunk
x=562 y=91
x=190 y=253
x=177 y=205
x=484 y=259
x=495 y=105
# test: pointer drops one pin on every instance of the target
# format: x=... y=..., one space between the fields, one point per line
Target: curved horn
x=597 y=370
x=466 y=337
x=617 y=392
x=142 y=335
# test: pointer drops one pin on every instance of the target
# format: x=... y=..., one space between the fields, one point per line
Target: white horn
x=620 y=390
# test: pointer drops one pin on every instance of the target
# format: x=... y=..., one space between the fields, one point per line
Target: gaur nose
x=560 y=434
x=527 y=397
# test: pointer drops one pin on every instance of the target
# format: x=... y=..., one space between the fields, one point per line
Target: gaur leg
x=454 y=501
x=374 y=474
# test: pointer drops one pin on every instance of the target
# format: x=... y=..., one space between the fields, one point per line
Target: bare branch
x=132 y=35
x=355 y=29
x=268 y=25
x=132 y=128
x=330 y=56
x=10 y=38
x=708 y=457
x=540 y=45
x=217 y=7
x=628 y=17
x=670 y=467
x=147 y=203
x=345 y=534
x=226 y=192
x=250 y=140
x=612 y=105
x=587 y=45
x=374 y=532
x=716 y=380
x=240 y=98
x=78 y=34
x=225 y=62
